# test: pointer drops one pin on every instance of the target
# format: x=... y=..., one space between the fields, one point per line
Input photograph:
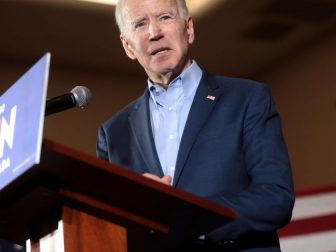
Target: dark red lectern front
x=74 y=202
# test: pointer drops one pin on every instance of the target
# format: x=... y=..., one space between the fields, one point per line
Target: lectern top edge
x=122 y=172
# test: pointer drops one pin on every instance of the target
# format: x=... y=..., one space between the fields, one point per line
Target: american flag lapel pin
x=210 y=97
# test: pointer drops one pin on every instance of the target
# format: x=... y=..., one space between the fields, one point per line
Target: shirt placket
x=170 y=128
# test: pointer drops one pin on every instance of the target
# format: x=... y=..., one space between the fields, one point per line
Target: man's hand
x=165 y=179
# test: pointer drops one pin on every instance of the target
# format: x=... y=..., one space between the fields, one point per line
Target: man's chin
x=166 y=68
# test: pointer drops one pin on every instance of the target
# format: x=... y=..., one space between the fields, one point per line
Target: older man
x=217 y=137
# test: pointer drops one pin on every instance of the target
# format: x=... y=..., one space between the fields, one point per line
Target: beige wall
x=78 y=128
x=305 y=91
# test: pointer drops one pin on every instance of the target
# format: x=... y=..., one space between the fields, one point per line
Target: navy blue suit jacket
x=232 y=152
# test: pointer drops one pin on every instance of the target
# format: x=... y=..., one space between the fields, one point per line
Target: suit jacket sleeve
x=267 y=201
x=101 y=147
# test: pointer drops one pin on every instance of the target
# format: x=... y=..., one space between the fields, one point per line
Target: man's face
x=156 y=35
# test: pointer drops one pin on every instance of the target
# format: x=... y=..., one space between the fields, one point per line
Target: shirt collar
x=188 y=79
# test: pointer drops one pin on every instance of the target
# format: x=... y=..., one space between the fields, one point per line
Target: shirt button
x=172 y=168
x=172 y=136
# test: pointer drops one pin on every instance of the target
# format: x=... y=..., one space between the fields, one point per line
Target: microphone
x=79 y=96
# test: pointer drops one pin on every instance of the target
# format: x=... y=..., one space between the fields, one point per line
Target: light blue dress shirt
x=169 y=110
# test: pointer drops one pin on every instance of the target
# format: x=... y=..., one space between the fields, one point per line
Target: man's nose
x=155 y=31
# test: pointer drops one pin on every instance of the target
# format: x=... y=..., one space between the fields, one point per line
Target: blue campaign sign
x=22 y=109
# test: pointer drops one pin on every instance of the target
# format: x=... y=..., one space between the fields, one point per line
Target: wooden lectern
x=73 y=202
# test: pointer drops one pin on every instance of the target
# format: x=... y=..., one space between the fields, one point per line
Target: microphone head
x=82 y=95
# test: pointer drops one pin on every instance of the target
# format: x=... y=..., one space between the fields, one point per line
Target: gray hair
x=181 y=6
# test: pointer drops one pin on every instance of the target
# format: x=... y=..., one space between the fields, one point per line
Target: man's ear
x=190 y=30
x=127 y=47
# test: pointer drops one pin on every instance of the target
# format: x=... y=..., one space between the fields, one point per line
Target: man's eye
x=165 y=17
x=139 y=25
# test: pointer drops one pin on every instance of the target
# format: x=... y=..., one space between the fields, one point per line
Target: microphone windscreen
x=82 y=95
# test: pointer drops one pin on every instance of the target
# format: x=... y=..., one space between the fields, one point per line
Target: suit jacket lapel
x=142 y=132
x=205 y=99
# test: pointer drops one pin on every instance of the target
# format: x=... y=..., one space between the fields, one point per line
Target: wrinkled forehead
x=139 y=9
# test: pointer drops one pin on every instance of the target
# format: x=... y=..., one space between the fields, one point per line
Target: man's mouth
x=159 y=51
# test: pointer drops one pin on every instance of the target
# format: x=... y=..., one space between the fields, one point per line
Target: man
x=217 y=137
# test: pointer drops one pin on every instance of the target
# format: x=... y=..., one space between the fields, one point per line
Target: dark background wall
x=290 y=45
